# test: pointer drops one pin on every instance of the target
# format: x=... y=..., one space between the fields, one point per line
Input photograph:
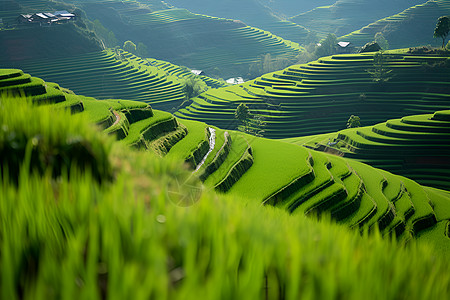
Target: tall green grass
x=78 y=239
x=74 y=237
x=48 y=140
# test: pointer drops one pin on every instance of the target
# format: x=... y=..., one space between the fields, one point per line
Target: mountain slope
x=264 y=171
x=290 y=8
x=345 y=16
x=414 y=146
x=251 y=12
x=320 y=96
x=126 y=237
x=410 y=28
x=222 y=47
x=111 y=74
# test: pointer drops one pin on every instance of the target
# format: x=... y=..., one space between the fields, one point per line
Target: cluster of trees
x=110 y=41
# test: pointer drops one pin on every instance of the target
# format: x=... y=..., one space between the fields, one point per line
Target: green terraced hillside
x=111 y=74
x=11 y=9
x=345 y=16
x=221 y=47
x=36 y=43
x=251 y=12
x=297 y=179
x=412 y=27
x=415 y=146
x=290 y=8
x=184 y=73
x=320 y=96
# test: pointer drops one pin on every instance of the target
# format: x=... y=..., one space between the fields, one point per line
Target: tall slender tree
x=442 y=29
x=243 y=114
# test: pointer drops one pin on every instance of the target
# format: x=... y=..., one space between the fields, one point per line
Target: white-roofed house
x=345 y=48
x=198 y=72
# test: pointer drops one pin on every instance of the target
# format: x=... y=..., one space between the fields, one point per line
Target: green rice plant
x=291 y=177
x=34 y=135
x=128 y=240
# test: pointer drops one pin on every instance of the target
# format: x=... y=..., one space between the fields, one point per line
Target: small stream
x=212 y=143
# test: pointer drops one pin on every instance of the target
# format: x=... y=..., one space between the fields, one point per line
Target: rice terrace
x=234 y=149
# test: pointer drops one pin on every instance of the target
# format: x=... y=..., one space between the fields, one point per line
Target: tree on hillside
x=129 y=46
x=353 y=122
x=380 y=73
x=442 y=29
x=243 y=115
x=327 y=46
x=257 y=125
x=381 y=41
x=193 y=87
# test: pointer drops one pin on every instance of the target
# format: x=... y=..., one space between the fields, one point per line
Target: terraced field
x=109 y=74
x=290 y=8
x=183 y=73
x=10 y=9
x=345 y=16
x=252 y=13
x=412 y=27
x=284 y=175
x=415 y=146
x=319 y=97
x=222 y=47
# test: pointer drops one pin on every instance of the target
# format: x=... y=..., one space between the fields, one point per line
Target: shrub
x=353 y=122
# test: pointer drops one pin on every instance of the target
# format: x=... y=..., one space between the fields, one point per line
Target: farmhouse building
x=235 y=80
x=345 y=48
x=46 y=18
x=198 y=72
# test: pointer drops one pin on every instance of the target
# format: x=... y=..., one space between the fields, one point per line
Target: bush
x=370 y=47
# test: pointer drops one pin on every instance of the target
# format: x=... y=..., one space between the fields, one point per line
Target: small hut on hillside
x=345 y=48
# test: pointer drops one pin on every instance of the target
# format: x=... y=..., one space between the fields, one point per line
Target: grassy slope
x=21 y=42
x=109 y=74
x=345 y=16
x=252 y=13
x=36 y=42
x=122 y=238
x=414 y=146
x=109 y=241
x=320 y=96
x=290 y=8
x=411 y=27
x=275 y=173
x=218 y=46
